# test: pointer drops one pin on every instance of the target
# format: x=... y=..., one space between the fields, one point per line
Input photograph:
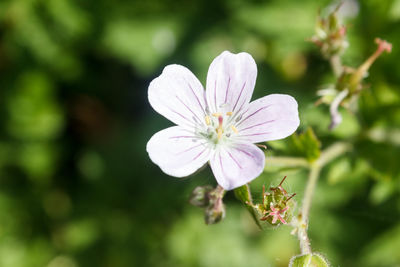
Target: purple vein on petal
x=184 y=136
x=255 y=134
x=220 y=163
x=183 y=103
x=259 y=124
x=245 y=152
x=240 y=94
x=227 y=89
x=215 y=95
x=198 y=155
x=198 y=101
x=252 y=114
x=188 y=149
x=237 y=163
x=179 y=114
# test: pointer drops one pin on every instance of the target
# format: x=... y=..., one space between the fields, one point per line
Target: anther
x=208 y=120
x=217 y=114
x=234 y=129
x=229 y=113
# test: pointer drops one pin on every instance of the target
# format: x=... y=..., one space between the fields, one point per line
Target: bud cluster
x=211 y=199
x=277 y=205
x=330 y=35
x=331 y=38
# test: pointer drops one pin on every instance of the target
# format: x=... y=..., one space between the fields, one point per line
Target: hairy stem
x=327 y=156
x=305 y=210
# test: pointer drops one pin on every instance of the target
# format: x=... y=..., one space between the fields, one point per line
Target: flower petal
x=230 y=81
x=177 y=151
x=179 y=96
x=269 y=118
x=237 y=165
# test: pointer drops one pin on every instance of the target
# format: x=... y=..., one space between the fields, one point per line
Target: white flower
x=219 y=125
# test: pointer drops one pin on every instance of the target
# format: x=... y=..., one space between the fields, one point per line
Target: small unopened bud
x=215 y=213
x=199 y=196
x=309 y=260
x=211 y=199
x=330 y=35
x=277 y=205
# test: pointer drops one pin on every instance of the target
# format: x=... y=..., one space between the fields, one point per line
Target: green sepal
x=244 y=195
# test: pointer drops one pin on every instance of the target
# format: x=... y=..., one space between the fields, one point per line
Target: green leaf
x=306 y=145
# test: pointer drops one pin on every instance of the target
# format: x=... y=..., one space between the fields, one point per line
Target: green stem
x=286 y=161
x=305 y=210
x=336 y=65
x=333 y=152
x=327 y=156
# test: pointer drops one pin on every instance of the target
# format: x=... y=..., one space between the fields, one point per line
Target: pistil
x=220 y=130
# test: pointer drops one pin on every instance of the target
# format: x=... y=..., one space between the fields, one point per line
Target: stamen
x=208 y=120
x=229 y=113
x=217 y=114
x=234 y=129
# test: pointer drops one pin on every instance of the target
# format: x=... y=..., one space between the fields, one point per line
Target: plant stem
x=336 y=65
x=220 y=191
x=286 y=161
x=333 y=152
x=305 y=210
x=327 y=156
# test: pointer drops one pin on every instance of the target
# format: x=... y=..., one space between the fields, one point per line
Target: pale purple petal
x=177 y=151
x=230 y=81
x=336 y=118
x=269 y=118
x=237 y=165
x=179 y=96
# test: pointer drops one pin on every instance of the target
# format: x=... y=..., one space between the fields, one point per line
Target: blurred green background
x=76 y=185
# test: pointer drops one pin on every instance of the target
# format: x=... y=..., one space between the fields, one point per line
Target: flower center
x=220 y=126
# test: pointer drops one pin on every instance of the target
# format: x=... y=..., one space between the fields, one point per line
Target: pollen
x=216 y=114
x=229 y=113
x=234 y=129
x=208 y=120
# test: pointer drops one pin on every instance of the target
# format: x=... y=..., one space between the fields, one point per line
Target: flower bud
x=330 y=35
x=210 y=199
x=215 y=213
x=277 y=206
x=199 y=196
x=309 y=260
